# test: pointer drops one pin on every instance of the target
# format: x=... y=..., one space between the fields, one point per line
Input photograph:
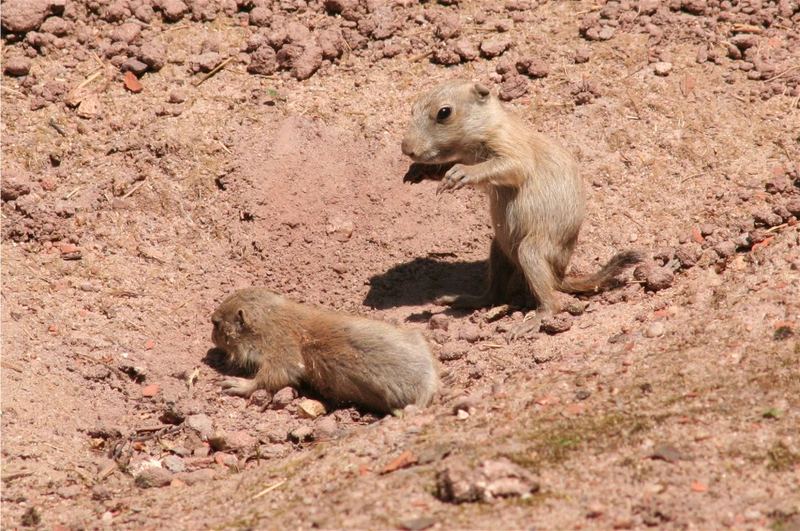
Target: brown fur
x=346 y=359
x=536 y=197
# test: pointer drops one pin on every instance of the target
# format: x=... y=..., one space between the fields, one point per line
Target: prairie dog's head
x=237 y=324
x=449 y=123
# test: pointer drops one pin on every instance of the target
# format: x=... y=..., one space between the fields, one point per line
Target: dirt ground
x=258 y=143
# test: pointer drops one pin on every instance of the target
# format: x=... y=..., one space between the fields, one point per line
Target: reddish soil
x=257 y=143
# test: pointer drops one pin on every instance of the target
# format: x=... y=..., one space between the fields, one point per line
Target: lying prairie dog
x=346 y=359
x=461 y=133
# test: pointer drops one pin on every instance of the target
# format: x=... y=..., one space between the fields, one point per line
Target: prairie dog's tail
x=602 y=279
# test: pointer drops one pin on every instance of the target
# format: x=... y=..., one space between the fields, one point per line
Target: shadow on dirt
x=421 y=280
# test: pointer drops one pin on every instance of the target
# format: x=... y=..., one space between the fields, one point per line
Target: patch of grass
x=781 y=459
x=555 y=442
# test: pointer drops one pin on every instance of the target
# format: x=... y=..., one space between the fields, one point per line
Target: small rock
x=283 y=398
x=178 y=95
x=667 y=452
x=662 y=68
x=153 y=55
x=22 y=16
x=126 y=33
x=514 y=86
x=531 y=67
x=448 y=26
x=301 y=434
x=766 y=218
x=582 y=55
x=793 y=206
x=17 y=66
x=465 y=403
x=688 y=254
x=326 y=428
x=576 y=307
x=654 y=277
x=205 y=62
x=134 y=65
x=655 y=329
x=196 y=476
x=466 y=50
x=260 y=16
x=439 y=321
x=173 y=463
x=726 y=249
x=556 y=324
x=469 y=333
x=457 y=483
x=202 y=424
x=149 y=391
x=417 y=524
x=239 y=441
x=263 y=61
x=452 y=351
x=495 y=46
x=70 y=491
x=311 y=408
x=340 y=229
x=153 y=477
x=14 y=186
x=225 y=459
x=173 y=10
x=101 y=493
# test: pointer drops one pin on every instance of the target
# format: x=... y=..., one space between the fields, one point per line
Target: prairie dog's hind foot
x=243 y=387
x=528 y=325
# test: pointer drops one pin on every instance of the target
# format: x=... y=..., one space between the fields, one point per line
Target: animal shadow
x=422 y=280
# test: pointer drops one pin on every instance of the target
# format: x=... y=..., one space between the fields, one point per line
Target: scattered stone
x=457 y=483
x=404 y=460
x=202 y=424
x=582 y=394
x=311 y=408
x=534 y=68
x=149 y=391
x=13 y=185
x=653 y=276
x=576 y=307
x=301 y=434
x=470 y=333
x=101 y=493
x=22 y=16
x=452 y=351
x=205 y=62
x=283 y=398
x=662 y=68
x=340 y=229
x=326 y=428
x=173 y=10
x=448 y=26
x=331 y=41
x=126 y=33
x=417 y=524
x=466 y=404
x=726 y=249
x=153 y=55
x=173 y=463
x=688 y=254
x=178 y=95
x=153 y=477
x=495 y=46
x=667 y=452
x=793 y=206
x=227 y=460
x=70 y=491
x=765 y=218
x=514 y=86
x=655 y=329
x=556 y=324
x=131 y=83
x=196 y=476
x=17 y=66
x=439 y=321
x=466 y=50
x=89 y=107
x=582 y=55
x=260 y=16
x=263 y=61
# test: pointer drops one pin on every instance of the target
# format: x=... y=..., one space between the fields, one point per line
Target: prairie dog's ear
x=240 y=319
x=481 y=91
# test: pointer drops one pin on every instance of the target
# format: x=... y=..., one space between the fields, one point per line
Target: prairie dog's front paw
x=456 y=177
x=239 y=387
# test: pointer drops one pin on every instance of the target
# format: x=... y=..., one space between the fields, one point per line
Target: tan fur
x=346 y=359
x=536 y=196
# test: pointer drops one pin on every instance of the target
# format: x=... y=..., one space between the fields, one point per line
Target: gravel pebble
x=17 y=66
x=656 y=329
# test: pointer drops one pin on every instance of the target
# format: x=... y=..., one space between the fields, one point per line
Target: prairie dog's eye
x=443 y=114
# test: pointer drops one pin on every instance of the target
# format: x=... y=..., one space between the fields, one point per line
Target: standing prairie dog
x=536 y=197
x=346 y=359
